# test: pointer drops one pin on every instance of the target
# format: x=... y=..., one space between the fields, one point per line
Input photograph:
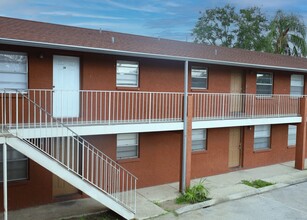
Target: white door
x=66 y=84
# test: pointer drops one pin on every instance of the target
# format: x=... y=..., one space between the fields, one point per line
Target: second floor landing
x=36 y=112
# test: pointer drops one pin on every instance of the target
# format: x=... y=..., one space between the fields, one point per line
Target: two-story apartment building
x=91 y=113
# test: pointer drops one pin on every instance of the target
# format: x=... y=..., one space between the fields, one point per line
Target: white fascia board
x=245 y=122
x=127 y=128
x=150 y=127
x=141 y=54
x=97 y=130
x=42 y=132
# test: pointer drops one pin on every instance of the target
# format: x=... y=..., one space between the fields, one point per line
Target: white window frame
x=122 y=73
x=23 y=74
x=199 y=140
x=128 y=143
x=262 y=134
x=10 y=160
x=297 y=81
x=194 y=71
x=292 y=129
x=264 y=84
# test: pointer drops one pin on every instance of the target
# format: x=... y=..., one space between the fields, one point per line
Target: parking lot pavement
x=281 y=204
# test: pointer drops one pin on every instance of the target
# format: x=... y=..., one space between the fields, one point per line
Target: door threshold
x=231 y=169
x=62 y=198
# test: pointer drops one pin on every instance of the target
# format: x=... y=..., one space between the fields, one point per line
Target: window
x=262 y=136
x=127 y=146
x=291 y=135
x=199 y=78
x=127 y=73
x=264 y=84
x=199 y=140
x=297 y=85
x=17 y=164
x=13 y=70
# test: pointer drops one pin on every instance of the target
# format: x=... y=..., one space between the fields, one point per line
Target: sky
x=171 y=19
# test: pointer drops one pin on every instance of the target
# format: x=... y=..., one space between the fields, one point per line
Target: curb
x=236 y=196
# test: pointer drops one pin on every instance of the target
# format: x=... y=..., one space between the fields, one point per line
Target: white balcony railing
x=210 y=106
x=60 y=143
x=93 y=107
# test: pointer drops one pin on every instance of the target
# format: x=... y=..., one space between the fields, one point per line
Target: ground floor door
x=62 y=188
x=66 y=151
x=234 y=159
x=66 y=85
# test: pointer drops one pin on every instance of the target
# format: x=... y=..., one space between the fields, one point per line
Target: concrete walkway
x=156 y=201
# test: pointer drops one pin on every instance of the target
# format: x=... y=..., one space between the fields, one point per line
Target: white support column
x=5 y=181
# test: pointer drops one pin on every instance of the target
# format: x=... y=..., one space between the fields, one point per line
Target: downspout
x=4 y=159
x=185 y=112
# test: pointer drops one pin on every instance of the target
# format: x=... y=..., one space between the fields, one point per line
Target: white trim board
x=245 y=122
x=150 y=127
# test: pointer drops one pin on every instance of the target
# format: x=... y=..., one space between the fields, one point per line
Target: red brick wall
x=159 y=160
x=279 y=151
x=36 y=190
x=215 y=159
x=159 y=156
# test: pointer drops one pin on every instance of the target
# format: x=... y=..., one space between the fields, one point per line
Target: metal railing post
x=4 y=163
x=82 y=165
x=16 y=112
x=149 y=108
x=109 y=108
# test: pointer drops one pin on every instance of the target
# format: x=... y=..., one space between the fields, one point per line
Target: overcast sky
x=173 y=19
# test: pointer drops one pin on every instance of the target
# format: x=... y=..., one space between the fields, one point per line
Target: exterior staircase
x=63 y=152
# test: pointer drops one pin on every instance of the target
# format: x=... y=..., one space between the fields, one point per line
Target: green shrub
x=257 y=183
x=194 y=194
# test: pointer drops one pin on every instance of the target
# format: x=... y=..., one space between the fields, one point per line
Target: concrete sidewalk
x=156 y=201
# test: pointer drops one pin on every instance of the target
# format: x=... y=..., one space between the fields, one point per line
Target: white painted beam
x=98 y=129
x=84 y=130
x=245 y=122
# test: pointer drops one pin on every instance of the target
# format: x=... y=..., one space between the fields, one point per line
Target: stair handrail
x=96 y=151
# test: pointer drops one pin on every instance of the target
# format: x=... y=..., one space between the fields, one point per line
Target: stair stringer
x=65 y=174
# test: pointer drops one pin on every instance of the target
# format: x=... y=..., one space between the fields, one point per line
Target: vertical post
x=82 y=165
x=17 y=110
x=5 y=181
x=189 y=141
x=184 y=144
x=149 y=108
x=109 y=107
x=301 y=137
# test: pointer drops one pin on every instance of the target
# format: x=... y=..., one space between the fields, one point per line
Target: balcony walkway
x=110 y=112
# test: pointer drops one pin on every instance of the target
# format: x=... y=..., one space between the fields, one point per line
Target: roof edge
x=19 y=42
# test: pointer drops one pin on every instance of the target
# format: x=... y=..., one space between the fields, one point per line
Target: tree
x=287 y=34
x=251 y=28
x=215 y=27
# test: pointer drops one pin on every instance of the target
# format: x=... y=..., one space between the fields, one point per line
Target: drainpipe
x=185 y=112
x=5 y=180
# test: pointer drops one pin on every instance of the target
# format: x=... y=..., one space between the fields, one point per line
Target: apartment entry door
x=66 y=84
x=236 y=88
x=64 y=151
x=62 y=188
x=235 y=146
